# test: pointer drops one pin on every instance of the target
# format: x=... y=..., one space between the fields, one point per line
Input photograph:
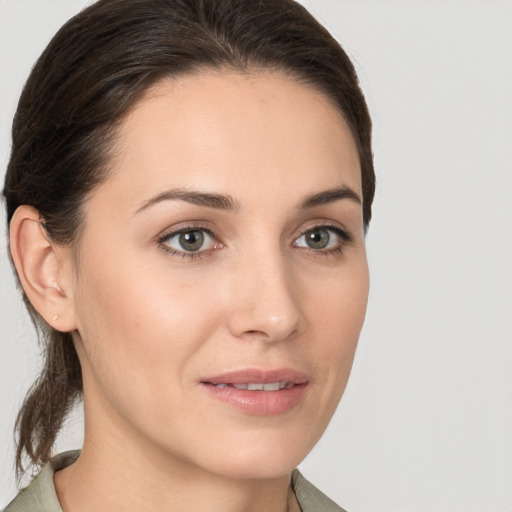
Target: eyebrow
x=329 y=196
x=226 y=202
x=216 y=201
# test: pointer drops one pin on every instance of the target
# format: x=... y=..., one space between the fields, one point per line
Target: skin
x=150 y=321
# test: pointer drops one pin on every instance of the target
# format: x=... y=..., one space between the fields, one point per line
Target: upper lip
x=255 y=375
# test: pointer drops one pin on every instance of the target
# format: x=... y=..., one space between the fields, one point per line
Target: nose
x=266 y=301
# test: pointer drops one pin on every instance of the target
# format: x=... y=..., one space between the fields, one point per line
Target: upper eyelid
x=190 y=226
x=340 y=229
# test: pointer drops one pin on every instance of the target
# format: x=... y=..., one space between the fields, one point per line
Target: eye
x=322 y=238
x=189 y=240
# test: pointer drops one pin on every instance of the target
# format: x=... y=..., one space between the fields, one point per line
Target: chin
x=260 y=458
x=270 y=468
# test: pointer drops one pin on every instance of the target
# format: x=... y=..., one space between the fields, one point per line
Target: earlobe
x=41 y=269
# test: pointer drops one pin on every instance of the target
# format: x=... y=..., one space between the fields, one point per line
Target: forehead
x=232 y=132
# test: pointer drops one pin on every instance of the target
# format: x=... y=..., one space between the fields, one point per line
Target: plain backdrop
x=426 y=421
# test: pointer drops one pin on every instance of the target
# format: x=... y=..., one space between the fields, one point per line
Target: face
x=223 y=281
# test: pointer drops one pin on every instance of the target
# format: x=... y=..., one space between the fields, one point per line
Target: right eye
x=189 y=241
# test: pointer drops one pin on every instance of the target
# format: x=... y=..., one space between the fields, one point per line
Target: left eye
x=190 y=240
x=320 y=238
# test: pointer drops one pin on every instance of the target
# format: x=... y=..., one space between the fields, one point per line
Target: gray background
x=426 y=421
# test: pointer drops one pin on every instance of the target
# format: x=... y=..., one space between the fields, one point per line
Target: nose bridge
x=266 y=304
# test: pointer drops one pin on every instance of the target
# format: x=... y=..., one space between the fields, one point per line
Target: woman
x=187 y=196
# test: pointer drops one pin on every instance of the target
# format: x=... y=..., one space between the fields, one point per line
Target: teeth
x=259 y=386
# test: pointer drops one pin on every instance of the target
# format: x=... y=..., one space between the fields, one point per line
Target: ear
x=44 y=268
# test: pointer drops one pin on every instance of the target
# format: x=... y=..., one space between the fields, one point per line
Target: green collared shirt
x=40 y=495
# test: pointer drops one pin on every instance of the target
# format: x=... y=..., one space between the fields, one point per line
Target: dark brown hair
x=92 y=73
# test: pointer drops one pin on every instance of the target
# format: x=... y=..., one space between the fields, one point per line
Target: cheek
x=140 y=328
x=337 y=309
x=338 y=299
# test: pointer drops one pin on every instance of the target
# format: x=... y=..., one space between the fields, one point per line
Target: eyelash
x=345 y=239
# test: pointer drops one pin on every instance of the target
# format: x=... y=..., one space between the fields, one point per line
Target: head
x=123 y=88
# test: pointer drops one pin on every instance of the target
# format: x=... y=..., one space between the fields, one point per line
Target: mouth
x=259 y=392
x=256 y=386
x=253 y=379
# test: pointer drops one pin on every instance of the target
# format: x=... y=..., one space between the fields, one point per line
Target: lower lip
x=259 y=403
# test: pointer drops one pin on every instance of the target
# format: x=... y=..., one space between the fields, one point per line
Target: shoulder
x=310 y=498
x=40 y=495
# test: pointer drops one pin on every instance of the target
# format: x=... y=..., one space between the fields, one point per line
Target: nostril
x=259 y=334
x=271 y=336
